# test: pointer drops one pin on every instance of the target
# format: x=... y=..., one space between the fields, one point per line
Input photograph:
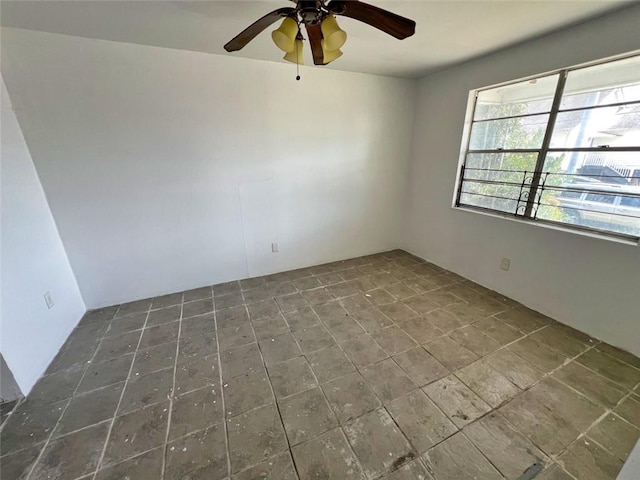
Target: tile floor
x=381 y=367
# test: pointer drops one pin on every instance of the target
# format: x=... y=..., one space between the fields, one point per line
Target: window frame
x=542 y=152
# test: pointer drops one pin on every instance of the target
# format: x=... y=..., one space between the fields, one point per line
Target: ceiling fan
x=323 y=32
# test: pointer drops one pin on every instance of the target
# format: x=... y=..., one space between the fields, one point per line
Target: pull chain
x=297 y=62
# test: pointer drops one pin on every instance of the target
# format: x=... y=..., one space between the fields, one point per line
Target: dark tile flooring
x=377 y=367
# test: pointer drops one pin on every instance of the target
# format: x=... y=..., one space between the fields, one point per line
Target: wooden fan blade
x=388 y=22
x=314 y=32
x=252 y=31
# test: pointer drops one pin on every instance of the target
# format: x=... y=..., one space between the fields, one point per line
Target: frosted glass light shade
x=296 y=55
x=331 y=56
x=334 y=36
x=285 y=35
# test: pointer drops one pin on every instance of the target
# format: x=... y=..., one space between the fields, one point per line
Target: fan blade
x=314 y=32
x=394 y=25
x=252 y=31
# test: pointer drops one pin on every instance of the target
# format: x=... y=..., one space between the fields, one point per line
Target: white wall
x=168 y=170
x=591 y=284
x=33 y=261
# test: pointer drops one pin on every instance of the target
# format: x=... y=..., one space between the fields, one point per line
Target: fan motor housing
x=310 y=11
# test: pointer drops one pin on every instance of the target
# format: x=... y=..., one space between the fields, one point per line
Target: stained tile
x=225 y=288
x=164 y=315
x=515 y=369
x=342 y=290
x=560 y=340
x=279 y=349
x=363 y=350
x=372 y=320
x=197 y=374
x=196 y=346
x=410 y=471
x=291 y=302
x=378 y=443
x=235 y=336
x=587 y=461
x=145 y=466
x=264 y=309
x=440 y=297
x=246 y=392
x=398 y=311
x=160 y=334
x=456 y=400
x=106 y=373
x=72 y=455
x=301 y=318
x=378 y=297
x=343 y=328
x=467 y=313
x=126 y=324
x=500 y=332
x=457 y=458
x=251 y=283
x=443 y=320
x=616 y=435
x=610 y=367
x=327 y=457
x=306 y=415
x=231 y=300
x=257 y=295
x=619 y=354
x=146 y=426
x=113 y=347
x=420 y=366
x=57 y=386
x=593 y=386
x=487 y=383
x=387 y=380
x=240 y=360
x=199 y=455
x=90 y=408
x=134 y=307
x=537 y=354
x=153 y=359
x=282 y=288
x=231 y=316
x=29 y=425
x=17 y=466
x=195 y=411
x=314 y=338
x=166 y=301
x=270 y=327
x=291 y=377
x=473 y=339
x=629 y=409
x=400 y=290
x=356 y=303
x=197 y=307
x=449 y=353
x=276 y=468
x=420 y=304
x=494 y=437
x=421 y=330
x=254 y=437
x=319 y=296
x=197 y=294
x=195 y=326
x=523 y=319
x=147 y=390
x=554 y=472
x=420 y=420
x=350 y=397
x=393 y=340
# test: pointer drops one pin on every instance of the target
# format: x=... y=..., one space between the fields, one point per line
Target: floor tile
x=610 y=367
x=257 y=295
x=398 y=311
x=350 y=397
x=387 y=380
x=363 y=350
x=197 y=307
x=246 y=392
x=160 y=334
x=466 y=313
x=457 y=458
x=113 y=347
x=314 y=338
x=147 y=466
x=516 y=369
x=147 y=390
x=254 y=437
x=291 y=302
x=134 y=307
x=166 y=301
x=279 y=349
x=474 y=340
x=587 y=461
x=553 y=472
x=196 y=346
x=449 y=353
x=616 y=435
x=164 y=315
x=240 y=360
x=276 y=468
x=147 y=427
x=400 y=290
x=319 y=296
x=619 y=354
x=456 y=400
x=378 y=443
x=197 y=294
x=420 y=304
x=629 y=409
x=230 y=300
x=342 y=290
x=420 y=366
x=197 y=326
x=327 y=457
x=356 y=303
x=90 y=408
x=301 y=318
x=421 y=420
x=329 y=364
x=523 y=319
x=420 y=329
x=500 y=332
x=17 y=466
x=538 y=354
x=507 y=449
x=270 y=327
x=225 y=288
x=487 y=383
x=412 y=471
x=231 y=316
x=291 y=377
x=235 y=336
x=199 y=455
x=57 y=386
x=590 y=384
x=561 y=341
x=343 y=328
x=306 y=415
x=126 y=324
x=195 y=411
x=197 y=374
x=154 y=359
x=72 y=455
x=393 y=340
x=264 y=309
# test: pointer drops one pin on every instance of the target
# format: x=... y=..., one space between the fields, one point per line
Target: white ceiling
x=447 y=32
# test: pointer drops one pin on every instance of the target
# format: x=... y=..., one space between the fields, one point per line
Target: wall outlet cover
x=505 y=264
x=48 y=299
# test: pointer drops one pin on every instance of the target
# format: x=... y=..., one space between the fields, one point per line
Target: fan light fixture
x=334 y=36
x=285 y=36
x=295 y=55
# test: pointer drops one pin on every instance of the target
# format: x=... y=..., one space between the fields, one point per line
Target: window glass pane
x=531 y=96
x=509 y=133
x=612 y=126
x=503 y=198
x=613 y=82
x=600 y=195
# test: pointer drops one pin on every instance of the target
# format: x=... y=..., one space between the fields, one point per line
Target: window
x=562 y=148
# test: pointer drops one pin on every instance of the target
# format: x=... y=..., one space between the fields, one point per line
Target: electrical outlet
x=48 y=299
x=274 y=247
x=505 y=264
